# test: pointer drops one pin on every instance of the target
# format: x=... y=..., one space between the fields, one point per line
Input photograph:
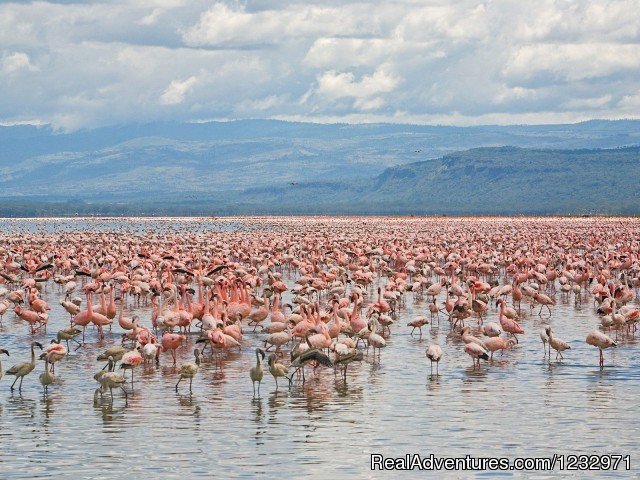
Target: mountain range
x=274 y=167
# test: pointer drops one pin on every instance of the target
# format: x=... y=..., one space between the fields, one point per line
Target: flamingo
x=111 y=380
x=258 y=315
x=277 y=369
x=21 y=370
x=494 y=344
x=476 y=352
x=600 y=340
x=558 y=345
x=83 y=318
x=277 y=339
x=544 y=336
x=29 y=316
x=53 y=353
x=508 y=325
x=256 y=373
x=46 y=378
x=171 y=342
x=189 y=370
x=375 y=340
x=418 y=322
x=129 y=361
x=346 y=357
x=544 y=301
x=434 y=354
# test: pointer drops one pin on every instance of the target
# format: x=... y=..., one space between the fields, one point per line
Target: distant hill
x=281 y=167
x=517 y=180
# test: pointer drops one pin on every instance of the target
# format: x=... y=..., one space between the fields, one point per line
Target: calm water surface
x=518 y=406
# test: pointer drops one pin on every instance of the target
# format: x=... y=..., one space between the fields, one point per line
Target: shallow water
x=520 y=405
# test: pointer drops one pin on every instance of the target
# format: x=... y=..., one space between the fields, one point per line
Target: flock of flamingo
x=313 y=293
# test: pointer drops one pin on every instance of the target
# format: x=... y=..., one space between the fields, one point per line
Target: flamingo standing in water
x=256 y=373
x=53 y=353
x=83 y=318
x=171 y=342
x=600 y=340
x=434 y=354
x=544 y=301
x=100 y=321
x=558 y=345
x=258 y=315
x=46 y=378
x=29 y=316
x=129 y=361
x=494 y=344
x=357 y=323
x=544 y=336
x=509 y=325
x=277 y=369
x=71 y=308
x=21 y=370
x=189 y=370
x=418 y=322
x=476 y=352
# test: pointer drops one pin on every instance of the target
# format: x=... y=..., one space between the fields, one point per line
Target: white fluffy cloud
x=16 y=61
x=82 y=64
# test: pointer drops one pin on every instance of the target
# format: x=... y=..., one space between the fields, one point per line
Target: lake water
x=520 y=405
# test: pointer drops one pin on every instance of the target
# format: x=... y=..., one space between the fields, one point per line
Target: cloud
x=573 y=62
x=222 y=25
x=77 y=64
x=16 y=61
x=176 y=92
x=335 y=85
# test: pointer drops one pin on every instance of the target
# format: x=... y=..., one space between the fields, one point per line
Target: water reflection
x=21 y=406
x=47 y=410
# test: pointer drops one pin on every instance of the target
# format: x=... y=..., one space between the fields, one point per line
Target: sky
x=78 y=64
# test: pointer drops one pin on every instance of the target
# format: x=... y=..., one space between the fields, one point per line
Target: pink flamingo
x=171 y=342
x=99 y=320
x=476 y=352
x=29 y=316
x=356 y=321
x=509 y=325
x=497 y=343
x=83 y=318
x=53 y=353
x=129 y=361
